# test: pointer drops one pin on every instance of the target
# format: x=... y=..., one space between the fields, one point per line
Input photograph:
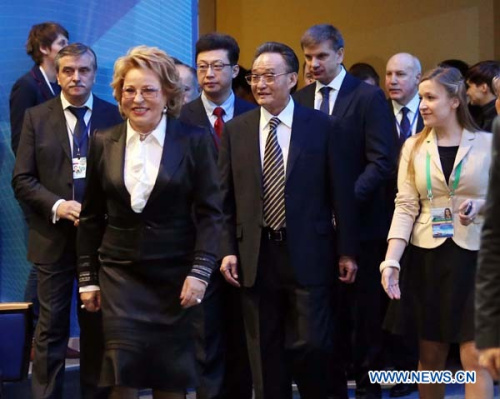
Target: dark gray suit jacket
x=43 y=174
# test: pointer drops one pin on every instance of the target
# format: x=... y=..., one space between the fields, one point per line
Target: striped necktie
x=274 y=179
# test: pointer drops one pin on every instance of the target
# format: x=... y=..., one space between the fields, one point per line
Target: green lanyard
x=458 y=172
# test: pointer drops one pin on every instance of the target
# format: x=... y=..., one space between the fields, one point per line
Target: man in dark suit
x=281 y=184
x=225 y=371
x=216 y=65
x=402 y=76
x=488 y=271
x=363 y=127
x=33 y=88
x=49 y=177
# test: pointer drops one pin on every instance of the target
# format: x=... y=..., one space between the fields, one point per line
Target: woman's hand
x=472 y=206
x=91 y=300
x=192 y=292
x=390 y=282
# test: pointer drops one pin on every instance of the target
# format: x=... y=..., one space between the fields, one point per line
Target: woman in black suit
x=149 y=230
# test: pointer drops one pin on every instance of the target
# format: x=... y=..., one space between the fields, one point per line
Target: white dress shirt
x=142 y=162
x=412 y=113
x=227 y=106
x=334 y=85
x=284 y=131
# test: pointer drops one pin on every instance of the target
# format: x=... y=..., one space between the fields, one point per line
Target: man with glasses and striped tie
x=281 y=184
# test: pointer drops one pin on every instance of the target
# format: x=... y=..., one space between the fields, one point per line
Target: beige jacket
x=412 y=217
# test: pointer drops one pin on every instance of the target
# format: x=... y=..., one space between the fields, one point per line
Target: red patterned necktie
x=219 y=122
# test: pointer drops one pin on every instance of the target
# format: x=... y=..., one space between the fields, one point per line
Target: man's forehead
x=325 y=45
x=268 y=61
x=76 y=60
x=213 y=55
x=400 y=63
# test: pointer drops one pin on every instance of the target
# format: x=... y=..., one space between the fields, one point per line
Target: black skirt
x=437 y=294
x=148 y=336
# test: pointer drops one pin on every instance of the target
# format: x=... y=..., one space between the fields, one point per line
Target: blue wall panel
x=110 y=27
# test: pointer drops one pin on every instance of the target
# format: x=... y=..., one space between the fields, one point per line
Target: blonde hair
x=156 y=60
x=452 y=81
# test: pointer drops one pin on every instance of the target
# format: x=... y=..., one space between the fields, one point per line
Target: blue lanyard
x=78 y=143
x=412 y=122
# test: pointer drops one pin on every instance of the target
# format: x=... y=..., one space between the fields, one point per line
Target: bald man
x=189 y=81
x=402 y=76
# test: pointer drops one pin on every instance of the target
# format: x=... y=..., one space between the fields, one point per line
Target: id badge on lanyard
x=442 y=210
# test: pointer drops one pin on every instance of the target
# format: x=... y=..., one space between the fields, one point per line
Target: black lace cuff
x=87 y=271
x=203 y=265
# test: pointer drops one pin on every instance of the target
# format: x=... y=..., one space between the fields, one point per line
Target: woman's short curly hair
x=156 y=60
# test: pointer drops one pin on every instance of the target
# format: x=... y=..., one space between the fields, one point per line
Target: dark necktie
x=404 y=126
x=325 y=103
x=80 y=147
x=274 y=179
x=219 y=122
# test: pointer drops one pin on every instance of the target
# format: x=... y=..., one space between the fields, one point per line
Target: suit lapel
x=345 y=96
x=250 y=146
x=174 y=148
x=298 y=136
x=42 y=83
x=116 y=152
x=466 y=144
x=58 y=125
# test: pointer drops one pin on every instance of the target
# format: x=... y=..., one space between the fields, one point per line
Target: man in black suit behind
x=49 y=177
x=363 y=129
x=225 y=371
x=402 y=76
x=281 y=184
x=39 y=84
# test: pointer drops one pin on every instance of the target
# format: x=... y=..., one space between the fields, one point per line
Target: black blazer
x=363 y=125
x=29 y=90
x=194 y=112
x=488 y=272
x=43 y=174
x=315 y=188
x=182 y=216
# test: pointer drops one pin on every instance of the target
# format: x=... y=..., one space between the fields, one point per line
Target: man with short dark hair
x=223 y=361
x=364 y=130
x=281 y=183
x=216 y=65
x=481 y=92
x=49 y=178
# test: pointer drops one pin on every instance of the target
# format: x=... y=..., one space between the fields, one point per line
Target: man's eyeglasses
x=148 y=92
x=216 y=66
x=269 y=78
